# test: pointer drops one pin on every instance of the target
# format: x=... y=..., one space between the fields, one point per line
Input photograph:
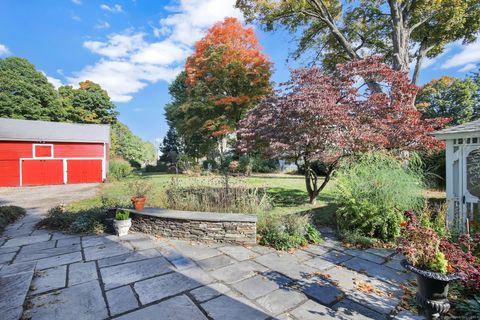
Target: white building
x=463 y=175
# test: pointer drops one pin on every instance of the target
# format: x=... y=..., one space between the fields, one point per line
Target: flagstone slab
x=238 y=271
x=128 y=257
x=14 y=313
x=216 y=262
x=121 y=300
x=286 y=264
x=49 y=279
x=195 y=251
x=256 y=286
x=38 y=246
x=13 y=289
x=7 y=257
x=59 y=260
x=183 y=263
x=377 y=271
x=319 y=263
x=317 y=249
x=164 y=286
x=281 y=300
x=365 y=255
x=311 y=310
x=72 y=241
x=180 y=307
x=233 y=308
x=8 y=249
x=83 y=301
x=210 y=291
x=381 y=252
x=352 y=310
x=336 y=257
x=46 y=253
x=238 y=252
x=81 y=272
x=21 y=241
x=126 y=273
x=17 y=268
x=321 y=290
x=105 y=251
x=93 y=241
x=198 y=274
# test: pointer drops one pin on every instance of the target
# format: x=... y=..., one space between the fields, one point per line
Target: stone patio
x=51 y=275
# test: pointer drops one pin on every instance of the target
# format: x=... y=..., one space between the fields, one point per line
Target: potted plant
x=122 y=222
x=421 y=247
x=139 y=188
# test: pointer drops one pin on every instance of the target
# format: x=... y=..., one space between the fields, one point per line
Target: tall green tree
x=25 y=93
x=87 y=104
x=449 y=97
x=336 y=31
x=129 y=146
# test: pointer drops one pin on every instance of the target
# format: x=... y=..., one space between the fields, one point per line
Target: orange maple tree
x=230 y=72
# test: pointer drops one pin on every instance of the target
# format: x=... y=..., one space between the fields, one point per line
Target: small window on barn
x=43 y=151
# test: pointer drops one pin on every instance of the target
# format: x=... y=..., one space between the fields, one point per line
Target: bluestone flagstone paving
x=63 y=276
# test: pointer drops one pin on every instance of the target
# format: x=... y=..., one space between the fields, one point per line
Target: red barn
x=41 y=152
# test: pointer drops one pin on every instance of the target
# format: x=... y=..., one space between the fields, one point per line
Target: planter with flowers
x=122 y=222
x=139 y=188
x=421 y=247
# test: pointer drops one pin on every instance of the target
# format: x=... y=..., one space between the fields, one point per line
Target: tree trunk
x=421 y=55
x=311 y=181
x=400 y=36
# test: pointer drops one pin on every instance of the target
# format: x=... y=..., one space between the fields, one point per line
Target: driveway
x=51 y=275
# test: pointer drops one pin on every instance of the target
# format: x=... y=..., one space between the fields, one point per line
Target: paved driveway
x=50 y=275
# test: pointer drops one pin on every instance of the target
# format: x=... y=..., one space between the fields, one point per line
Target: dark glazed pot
x=432 y=293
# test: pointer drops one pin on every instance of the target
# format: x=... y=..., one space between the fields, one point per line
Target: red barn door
x=40 y=172
x=84 y=171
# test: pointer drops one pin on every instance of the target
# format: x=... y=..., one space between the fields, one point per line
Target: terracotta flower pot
x=432 y=293
x=138 y=203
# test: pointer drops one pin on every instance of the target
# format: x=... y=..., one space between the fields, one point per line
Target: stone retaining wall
x=196 y=226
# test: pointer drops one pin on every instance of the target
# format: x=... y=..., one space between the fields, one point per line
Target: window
x=43 y=151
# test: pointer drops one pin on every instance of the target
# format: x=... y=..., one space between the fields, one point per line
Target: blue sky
x=134 y=48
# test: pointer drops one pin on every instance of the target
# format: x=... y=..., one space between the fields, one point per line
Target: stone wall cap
x=195 y=215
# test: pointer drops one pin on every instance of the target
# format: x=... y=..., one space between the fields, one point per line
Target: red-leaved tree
x=326 y=118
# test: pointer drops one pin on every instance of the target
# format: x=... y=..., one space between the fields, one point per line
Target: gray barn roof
x=29 y=130
x=469 y=128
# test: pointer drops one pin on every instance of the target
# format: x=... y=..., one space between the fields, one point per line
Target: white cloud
x=469 y=54
x=54 y=81
x=102 y=25
x=191 y=17
x=75 y=17
x=117 y=46
x=77 y=1
x=130 y=61
x=4 y=50
x=468 y=67
x=116 y=8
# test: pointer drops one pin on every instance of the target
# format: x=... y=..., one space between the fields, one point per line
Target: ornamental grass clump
x=373 y=192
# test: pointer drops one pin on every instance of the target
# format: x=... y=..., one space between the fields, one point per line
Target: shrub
x=119 y=169
x=245 y=165
x=421 y=246
x=83 y=221
x=114 y=199
x=264 y=166
x=286 y=232
x=372 y=194
x=160 y=167
x=122 y=215
x=217 y=196
x=434 y=216
x=9 y=214
x=470 y=308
